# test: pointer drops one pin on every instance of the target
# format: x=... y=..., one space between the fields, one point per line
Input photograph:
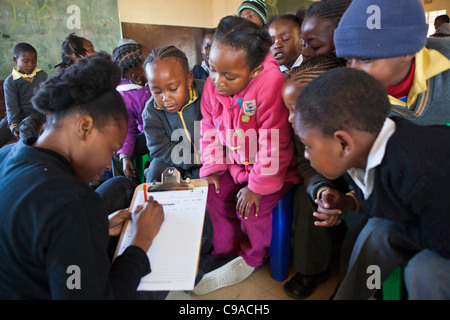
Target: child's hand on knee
x=246 y=198
x=214 y=179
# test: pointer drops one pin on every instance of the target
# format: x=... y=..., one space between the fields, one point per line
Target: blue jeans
x=387 y=244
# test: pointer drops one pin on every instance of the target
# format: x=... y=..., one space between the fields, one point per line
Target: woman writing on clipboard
x=54 y=231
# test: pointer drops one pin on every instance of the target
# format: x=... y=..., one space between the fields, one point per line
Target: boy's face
x=169 y=83
x=287 y=42
x=317 y=37
x=206 y=47
x=389 y=71
x=251 y=16
x=229 y=71
x=290 y=92
x=323 y=152
x=26 y=61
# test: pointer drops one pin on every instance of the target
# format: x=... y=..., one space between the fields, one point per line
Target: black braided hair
x=128 y=56
x=72 y=45
x=168 y=52
x=311 y=69
x=328 y=10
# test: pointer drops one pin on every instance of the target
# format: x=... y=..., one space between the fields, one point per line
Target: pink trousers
x=236 y=236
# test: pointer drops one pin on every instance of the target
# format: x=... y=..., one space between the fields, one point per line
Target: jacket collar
x=17 y=75
x=428 y=63
x=192 y=96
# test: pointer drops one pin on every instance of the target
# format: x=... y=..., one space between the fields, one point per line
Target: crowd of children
x=344 y=105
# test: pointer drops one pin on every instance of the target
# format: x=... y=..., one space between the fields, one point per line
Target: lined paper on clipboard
x=174 y=252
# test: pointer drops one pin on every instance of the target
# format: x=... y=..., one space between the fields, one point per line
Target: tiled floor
x=260 y=286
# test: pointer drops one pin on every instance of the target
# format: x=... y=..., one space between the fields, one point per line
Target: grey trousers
x=386 y=244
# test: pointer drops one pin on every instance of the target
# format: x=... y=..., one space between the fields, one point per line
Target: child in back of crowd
x=201 y=71
x=135 y=93
x=22 y=120
x=415 y=70
x=285 y=31
x=320 y=21
x=172 y=116
x=247 y=148
x=399 y=172
x=74 y=48
x=254 y=11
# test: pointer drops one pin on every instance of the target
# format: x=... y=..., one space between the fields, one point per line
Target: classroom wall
x=183 y=23
x=192 y=13
x=434 y=5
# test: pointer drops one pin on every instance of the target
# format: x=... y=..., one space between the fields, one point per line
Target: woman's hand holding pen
x=147 y=221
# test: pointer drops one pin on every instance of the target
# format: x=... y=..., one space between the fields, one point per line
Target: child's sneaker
x=231 y=273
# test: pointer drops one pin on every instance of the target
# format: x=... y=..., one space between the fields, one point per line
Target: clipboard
x=175 y=252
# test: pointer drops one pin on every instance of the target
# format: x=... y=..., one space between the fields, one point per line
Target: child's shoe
x=231 y=273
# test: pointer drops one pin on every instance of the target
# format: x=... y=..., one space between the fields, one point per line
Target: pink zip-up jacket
x=249 y=133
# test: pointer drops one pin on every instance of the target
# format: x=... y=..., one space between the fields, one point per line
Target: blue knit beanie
x=381 y=29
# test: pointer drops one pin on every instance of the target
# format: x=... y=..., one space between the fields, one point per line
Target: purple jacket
x=135 y=97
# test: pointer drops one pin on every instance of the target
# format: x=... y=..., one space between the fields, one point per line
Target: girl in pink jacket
x=247 y=147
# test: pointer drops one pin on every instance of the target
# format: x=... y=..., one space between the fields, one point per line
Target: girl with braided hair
x=130 y=57
x=243 y=97
x=74 y=48
x=172 y=115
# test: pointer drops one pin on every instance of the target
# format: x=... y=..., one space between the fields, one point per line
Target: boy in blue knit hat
x=254 y=10
x=377 y=36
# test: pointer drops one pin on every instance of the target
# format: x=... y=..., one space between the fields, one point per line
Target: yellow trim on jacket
x=192 y=97
x=428 y=63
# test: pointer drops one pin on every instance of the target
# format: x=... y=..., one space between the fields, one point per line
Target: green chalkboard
x=45 y=24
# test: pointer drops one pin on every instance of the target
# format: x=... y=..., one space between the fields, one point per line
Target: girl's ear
x=84 y=126
x=190 y=79
x=255 y=72
x=346 y=142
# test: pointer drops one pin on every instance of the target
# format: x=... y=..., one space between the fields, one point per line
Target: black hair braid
x=328 y=10
x=168 y=52
x=314 y=67
x=72 y=45
x=128 y=56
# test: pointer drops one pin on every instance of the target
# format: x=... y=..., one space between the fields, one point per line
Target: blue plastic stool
x=281 y=237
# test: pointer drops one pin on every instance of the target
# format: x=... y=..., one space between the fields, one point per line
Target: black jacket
x=411 y=184
x=50 y=221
